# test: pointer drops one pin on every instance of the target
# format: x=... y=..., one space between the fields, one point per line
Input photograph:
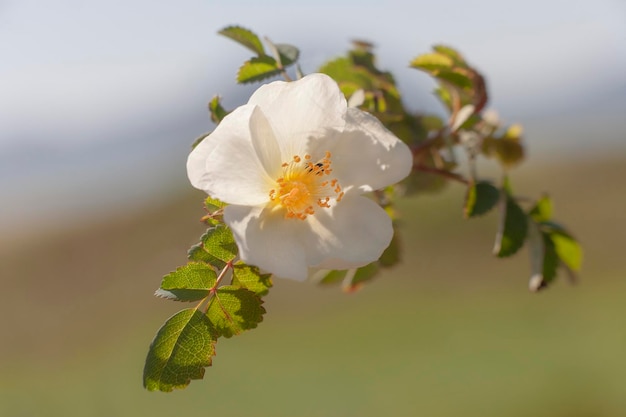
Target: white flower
x=292 y=165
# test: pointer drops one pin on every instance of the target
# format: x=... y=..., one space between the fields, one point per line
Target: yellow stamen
x=300 y=188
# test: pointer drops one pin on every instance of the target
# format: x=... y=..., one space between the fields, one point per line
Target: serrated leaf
x=180 y=351
x=217 y=246
x=191 y=282
x=198 y=254
x=249 y=277
x=244 y=37
x=513 y=227
x=542 y=211
x=219 y=242
x=480 y=198
x=233 y=310
x=257 y=69
x=213 y=204
x=217 y=111
x=433 y=61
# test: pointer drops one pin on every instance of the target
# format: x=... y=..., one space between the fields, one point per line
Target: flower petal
x=237 y=162
x=351 y=234
x=367 y=156
x=300 y=111
x=268 y=240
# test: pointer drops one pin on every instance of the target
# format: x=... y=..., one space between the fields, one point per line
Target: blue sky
x=98 y=98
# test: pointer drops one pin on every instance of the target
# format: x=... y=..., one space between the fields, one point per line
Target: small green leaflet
x=543 y=258
x=432 y=62
x=213 y=204
x=180 y=351
x=513 y=226
x=480 y=198
x=568 y=250
x=550 y=261
x=559 y=247
x=191 y=282
x=233 y=310
x=542 y=211
x=217 y=247
x=567 y=247
x=244 y=37
x=217 y=111
x=249 y=277
x=257 y=69
x=451 y=53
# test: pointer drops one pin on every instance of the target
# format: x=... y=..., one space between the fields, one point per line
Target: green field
x=451 y=332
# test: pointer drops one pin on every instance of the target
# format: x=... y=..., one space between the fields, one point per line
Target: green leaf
x=451 y=53
x=343 y=72
x=480 y=198
x=433 y=61
x=542 y=211
x=191 y=282
x=567 y=247
x=219 y=242
x=197 y=253
x=455 y=77
x=257 y=69
x=249 y=277
x=289 y=54
x=213 y=204
x=244 y=37
x=233 y=310
x=550 y=263
x=217 y=246
x=180 y=351
x=568 y=250
x=217 y=111
x=513 y=227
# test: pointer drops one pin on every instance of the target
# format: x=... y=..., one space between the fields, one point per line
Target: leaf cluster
x=261 y=66
x=550 y=245
x=228 y=296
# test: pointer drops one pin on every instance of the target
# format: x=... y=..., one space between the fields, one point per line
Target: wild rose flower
x=293 y=164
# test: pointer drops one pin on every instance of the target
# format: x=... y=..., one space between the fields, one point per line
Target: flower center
x=305 y=186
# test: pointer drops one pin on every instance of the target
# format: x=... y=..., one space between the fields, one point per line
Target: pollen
x=305 y=186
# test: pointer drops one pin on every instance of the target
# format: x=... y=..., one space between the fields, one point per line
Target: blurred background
x=99 y=103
